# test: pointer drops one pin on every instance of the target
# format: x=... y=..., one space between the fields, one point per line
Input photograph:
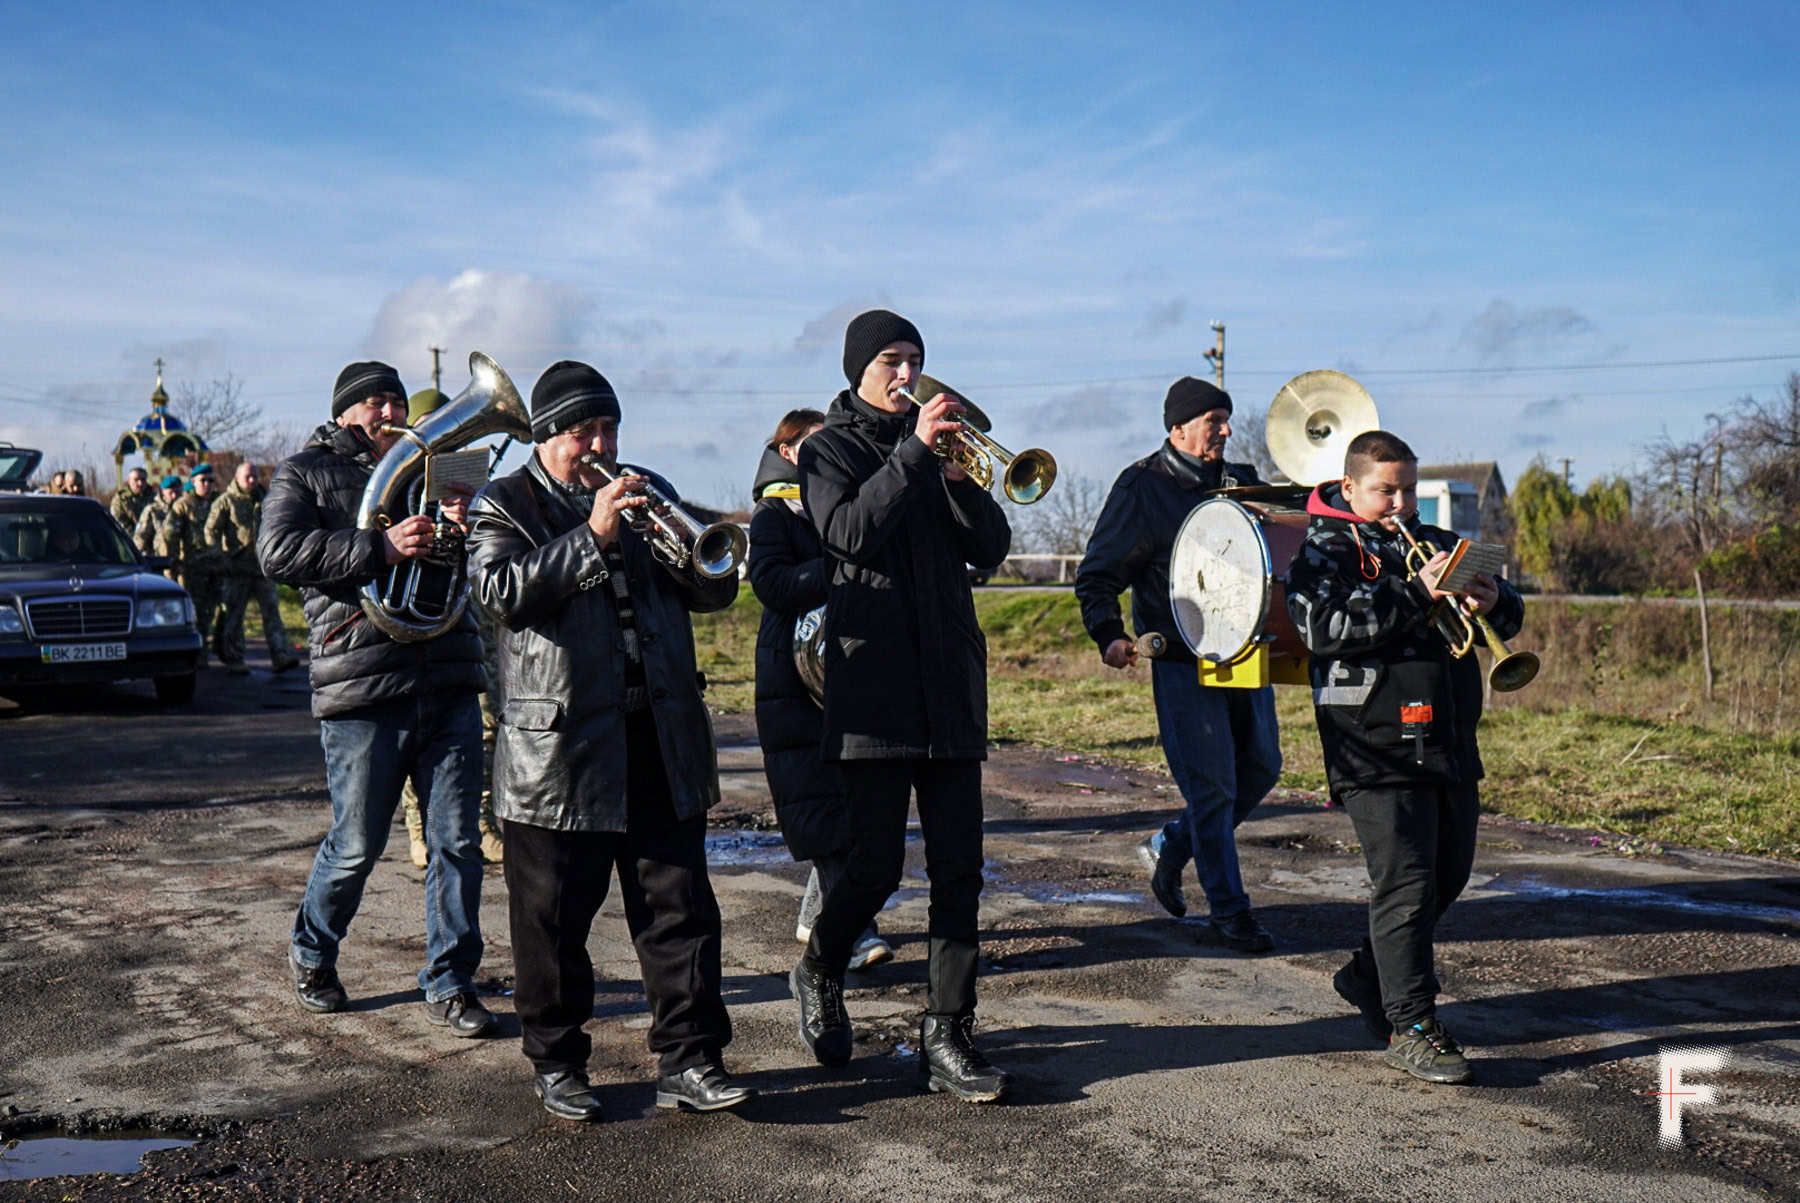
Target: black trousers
x=557 y=881
x=949 y=793
x=1419 y=844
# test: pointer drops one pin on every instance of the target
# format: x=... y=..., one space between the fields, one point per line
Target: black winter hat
x=868 y=333
x=360 y=381
x=568 y=394
x=1189 y=398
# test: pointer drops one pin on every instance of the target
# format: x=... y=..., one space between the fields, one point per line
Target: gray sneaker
x=1164 y=883
x=1425 y=1050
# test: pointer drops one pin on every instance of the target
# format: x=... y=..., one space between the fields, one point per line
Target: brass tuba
x=423 y=597
x=1025 y=477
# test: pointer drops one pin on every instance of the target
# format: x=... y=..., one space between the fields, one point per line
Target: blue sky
x=1444 y=200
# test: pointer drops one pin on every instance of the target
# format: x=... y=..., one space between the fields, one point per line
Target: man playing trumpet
x=604 y=757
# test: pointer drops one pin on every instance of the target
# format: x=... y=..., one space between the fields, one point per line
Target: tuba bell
x=423 y=597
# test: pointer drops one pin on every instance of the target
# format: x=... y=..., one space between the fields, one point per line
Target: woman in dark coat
x=787 y=573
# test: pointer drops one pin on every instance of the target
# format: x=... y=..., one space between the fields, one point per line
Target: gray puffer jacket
x=309 y=539
x=559 y=758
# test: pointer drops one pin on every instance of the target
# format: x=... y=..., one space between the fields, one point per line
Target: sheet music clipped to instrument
x=455 y=468
x=1470 y=560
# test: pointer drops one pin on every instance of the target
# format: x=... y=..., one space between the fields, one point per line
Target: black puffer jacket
x=905 y=660
x=787 y=572
x=1132 y=541
x=559 y=756
x=309 y=539
x=1377 y=660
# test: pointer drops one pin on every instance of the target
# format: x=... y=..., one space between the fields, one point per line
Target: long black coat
x=905 y=661
x=309 y=539
x=559 y=756
x=1133 y=539
x=787 y=573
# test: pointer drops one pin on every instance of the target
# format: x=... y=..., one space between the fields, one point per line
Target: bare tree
x=1061 y=523
x=1248 y=445
x=218 y=413
x=1764 y=440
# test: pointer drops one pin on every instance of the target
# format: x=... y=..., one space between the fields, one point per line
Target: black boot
x=824 y=1023
x=950 y=1060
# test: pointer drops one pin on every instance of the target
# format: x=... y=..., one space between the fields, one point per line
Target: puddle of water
x=1050 y=893
x=1533 y=887
x=52 y=1155
x=745 y=848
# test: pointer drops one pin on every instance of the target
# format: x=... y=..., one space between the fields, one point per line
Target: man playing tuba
x=388 y=710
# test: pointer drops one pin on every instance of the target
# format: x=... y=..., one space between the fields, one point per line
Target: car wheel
x=176 y=691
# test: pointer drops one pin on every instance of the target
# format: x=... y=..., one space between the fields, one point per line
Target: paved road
x=149 y=864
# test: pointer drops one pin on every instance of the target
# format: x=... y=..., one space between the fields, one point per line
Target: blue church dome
x=160 y=420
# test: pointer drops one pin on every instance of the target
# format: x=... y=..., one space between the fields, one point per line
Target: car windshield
x=16 y=465
x=36 y=537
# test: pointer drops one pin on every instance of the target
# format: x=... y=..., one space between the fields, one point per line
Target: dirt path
x=147 y=880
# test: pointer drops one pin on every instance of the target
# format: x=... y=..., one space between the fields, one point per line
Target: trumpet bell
x=1029 y=475
x=1513 y=671
x=1311 y=422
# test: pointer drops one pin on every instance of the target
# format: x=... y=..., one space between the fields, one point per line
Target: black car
x=79 y=604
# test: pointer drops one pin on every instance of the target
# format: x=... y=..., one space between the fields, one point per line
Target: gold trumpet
x=1461 y=623
x=1025 y=477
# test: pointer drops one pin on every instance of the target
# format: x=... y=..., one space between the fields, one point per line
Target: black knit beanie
x=868 y=333
x=360 y=381
x=568 y=394
x=1189 y=398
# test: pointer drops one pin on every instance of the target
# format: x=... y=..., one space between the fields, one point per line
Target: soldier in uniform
x=493 y=848
x=231 y=534
x=147 y=533
x=184 y=542
x=129 y=500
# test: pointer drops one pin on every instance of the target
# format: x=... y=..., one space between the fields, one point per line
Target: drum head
x=1219 y=580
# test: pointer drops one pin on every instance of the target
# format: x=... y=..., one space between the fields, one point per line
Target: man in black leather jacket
x=387 y=710
x=604 y=758
x=1222 y=744
x=905 y=687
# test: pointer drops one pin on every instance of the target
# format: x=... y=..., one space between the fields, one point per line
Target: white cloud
x=514 y=317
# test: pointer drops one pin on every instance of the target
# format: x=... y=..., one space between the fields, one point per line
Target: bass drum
x=809 y=652
x=1228 y=579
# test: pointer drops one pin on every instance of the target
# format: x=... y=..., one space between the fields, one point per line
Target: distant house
x=1489 y=522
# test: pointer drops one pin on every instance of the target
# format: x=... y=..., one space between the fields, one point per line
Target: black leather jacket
x=309 y=539
x=559 y=757
x=1133 y=538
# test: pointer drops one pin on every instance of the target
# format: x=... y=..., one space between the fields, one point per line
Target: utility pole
x=1566 y=462
x=437 y=369
x=1216 y=353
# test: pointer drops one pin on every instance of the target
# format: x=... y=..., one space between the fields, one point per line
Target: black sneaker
x=1425 y=1050
x=824 y=1023
x=318 y=990
x=1242 y=932
x=462 y=1013
x=1164 y=883
x=951 y=1062
x=1353 y=990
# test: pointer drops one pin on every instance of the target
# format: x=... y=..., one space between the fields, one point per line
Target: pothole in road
x=54 y=1153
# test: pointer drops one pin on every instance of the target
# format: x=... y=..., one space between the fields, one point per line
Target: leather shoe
x=462 y=1013
x=1164 y=883
x=824 y=1023
x=318 y=989
x=702 y=1087
x=567 y=1095
x=1242 y=932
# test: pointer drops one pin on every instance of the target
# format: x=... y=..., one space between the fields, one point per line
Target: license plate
x=77 y=653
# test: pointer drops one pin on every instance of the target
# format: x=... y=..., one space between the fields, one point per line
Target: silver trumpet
x=675 y=536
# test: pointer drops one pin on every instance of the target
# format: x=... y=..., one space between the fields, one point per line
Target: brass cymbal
x=1311 y=422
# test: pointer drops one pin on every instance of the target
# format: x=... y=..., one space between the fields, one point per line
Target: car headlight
x=10 y=622
x=162 y=612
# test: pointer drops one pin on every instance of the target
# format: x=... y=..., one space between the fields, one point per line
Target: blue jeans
x=1224 y=751
x=369 y=754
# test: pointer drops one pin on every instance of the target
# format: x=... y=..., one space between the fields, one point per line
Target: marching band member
x=787 y=571
x=1397 y=714
x=905 y=688
x=387 y=710
x=1222 y=745
x=605 y=756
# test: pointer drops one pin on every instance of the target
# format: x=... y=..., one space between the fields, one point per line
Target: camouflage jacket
x=127 y=506
x=1394 y=707
x=147 y=532
x=184 y=534
x=231 y=530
